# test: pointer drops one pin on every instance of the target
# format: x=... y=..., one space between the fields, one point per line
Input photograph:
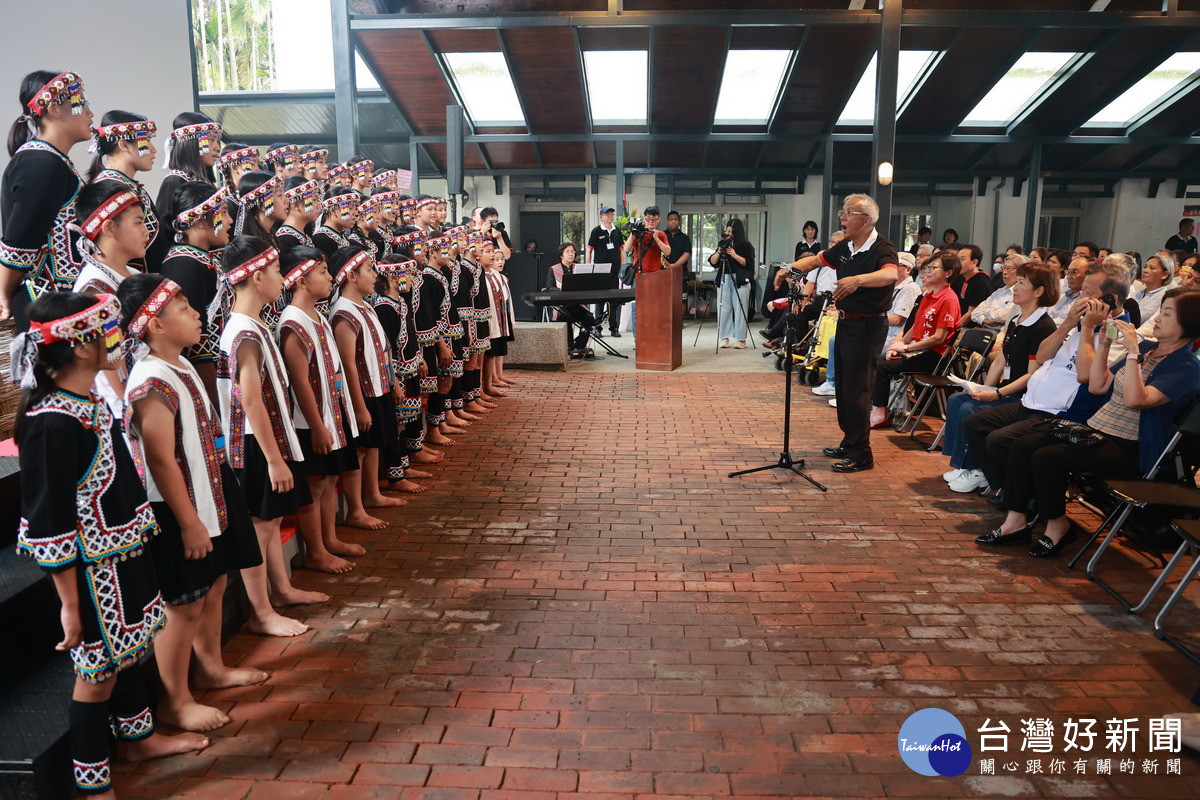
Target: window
x=486 y=87
x=1132 y=103
x=617 y=81
x=750 y=86
x=860 y=109
x=571 y=230
x=911 y=226
x=1018 y=88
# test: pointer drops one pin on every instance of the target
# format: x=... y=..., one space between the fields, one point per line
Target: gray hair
x=865 y=203
x=1017 y=259
x=1123 y=261
x=1117 y=275
x=1167 y=261
x=925 y=248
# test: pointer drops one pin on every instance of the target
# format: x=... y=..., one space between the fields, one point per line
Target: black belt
x=859 y=314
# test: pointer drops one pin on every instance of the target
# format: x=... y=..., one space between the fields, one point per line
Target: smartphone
x=1111 y=301
x=1110 y=330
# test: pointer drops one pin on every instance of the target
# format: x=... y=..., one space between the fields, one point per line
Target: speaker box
x=522 y=271
x=454 y=150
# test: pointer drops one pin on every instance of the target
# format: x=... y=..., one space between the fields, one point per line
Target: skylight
x=486 y=87
x=1021 y=84
x=1147 y=92
x=303 y=36
x=860 y=110
x=616 y=81
x=750 y=86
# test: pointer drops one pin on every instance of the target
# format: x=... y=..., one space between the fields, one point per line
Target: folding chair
x=973 y=345
x=1189 y=531
x=905 y=381
x=1176 y=499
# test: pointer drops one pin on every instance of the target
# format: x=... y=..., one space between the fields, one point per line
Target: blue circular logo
x=933 y=742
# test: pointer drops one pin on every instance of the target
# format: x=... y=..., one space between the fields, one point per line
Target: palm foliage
x=235 y=47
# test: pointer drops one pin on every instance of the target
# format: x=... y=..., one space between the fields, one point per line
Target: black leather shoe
x=998 y=539
x=1044 y=548
x=853 y=465
x=997 y=500
x=766 y=334
x=834 y=452
x=615 y=334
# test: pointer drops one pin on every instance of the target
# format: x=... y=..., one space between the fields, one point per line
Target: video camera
x=637 y=227
x=725 y=243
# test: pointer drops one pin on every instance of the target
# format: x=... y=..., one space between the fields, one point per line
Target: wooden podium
x=659 y=298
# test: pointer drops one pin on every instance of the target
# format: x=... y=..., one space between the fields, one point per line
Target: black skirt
x=335 y=462
x=185 y=581
x=498 y=346
x=261 y=501
x=383 y=423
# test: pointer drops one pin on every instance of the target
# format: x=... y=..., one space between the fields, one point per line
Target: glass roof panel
x=1021 y=84
x=486 y=87
x=750 y=86
x=617 y=86
x=1147 y=92
x=860 y=109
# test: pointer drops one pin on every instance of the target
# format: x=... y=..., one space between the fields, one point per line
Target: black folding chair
x=1189 y=531
x=970 y=358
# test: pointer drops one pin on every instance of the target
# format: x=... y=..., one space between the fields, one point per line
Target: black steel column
x=1033 y=201
x=414 y=165
x=620 y=201
x=345 y=89
x=827 y=193
x=885 y=107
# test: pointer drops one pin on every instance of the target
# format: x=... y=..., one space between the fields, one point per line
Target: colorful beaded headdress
x=138 y=132
x=286 y=156
x=361 y=168
x=336 y=173
x=299 y=271
x=151 y=308
x=386 y=179
x=227 y=280
x=427 y=201
x=456 y=231
x=111 y=208
x=414 y=238
x=206 y=134
x=190 y=216
x=101 y=319
x=64 y=86
x=345 y=203
x=394 y=269
x=307 y=193
x=443 y=243
x=369 y=206
x=311 y=158
x=247 y=156
x=354 y=262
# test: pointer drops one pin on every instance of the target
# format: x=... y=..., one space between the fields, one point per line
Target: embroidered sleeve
x=156 y=386
x=50 y=445
x=38 y=184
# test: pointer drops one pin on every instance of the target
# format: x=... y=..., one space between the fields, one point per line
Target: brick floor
x=584 y=606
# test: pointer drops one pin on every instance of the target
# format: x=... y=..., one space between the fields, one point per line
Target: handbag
x=628 y=275
x=1075 y=433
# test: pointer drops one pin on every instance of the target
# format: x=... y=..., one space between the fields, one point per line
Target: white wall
x=133 y=55
x=1141 y=223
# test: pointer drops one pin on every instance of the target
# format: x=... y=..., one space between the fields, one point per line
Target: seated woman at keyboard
x=577 y=315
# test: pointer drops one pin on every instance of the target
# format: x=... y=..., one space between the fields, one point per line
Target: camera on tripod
x=637 y=227
x=725 y=243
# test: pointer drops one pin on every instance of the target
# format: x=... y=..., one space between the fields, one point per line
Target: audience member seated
x=904 y=298
x=922 y=346
x=1148 y=389
x=1034 y=290
x=1077 y=270
x=1156 y=275
x=998 y=308
x=970 y=284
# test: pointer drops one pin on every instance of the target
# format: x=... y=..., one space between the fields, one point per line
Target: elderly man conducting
x=865 y=263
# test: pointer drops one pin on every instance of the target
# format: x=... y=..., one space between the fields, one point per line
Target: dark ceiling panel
x=406 y=67
x=787 y=154
x=636 y=154
x=677 y=154
x=566 y=155
x=687 y=65
x=1129 y=56
x=755 y=37
x=621 y=38
x=731 y=154
x=512 y=155
x=823 y=77
x=464 y=40
x=545 y=67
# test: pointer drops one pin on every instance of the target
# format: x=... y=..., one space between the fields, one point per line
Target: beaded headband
x=190 y=216
x=456 y=231
x=443 y=243
x=360 y=168
x=336 y=172
x=307 y=193
x=354 y=262
x=138 y=132
x=395 y=269
x=245 y=155
x=347 y=202
x=428 y=201
x=299 y=271
x=253 y=265
x=205 y=134
x=102 y=317
x=151 y=308
x=369 y=206
x=263 y=196
x=386 y=178
x=415 y=238
x=109 y=209
x=311 y=158
x=285 y=156
x=65 y=85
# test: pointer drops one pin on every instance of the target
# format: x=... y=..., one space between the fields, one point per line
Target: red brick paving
x=584 y=606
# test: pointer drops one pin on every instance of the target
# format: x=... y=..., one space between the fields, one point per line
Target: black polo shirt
x=1177 y=242
x=867 y=300
x=976 y=290
x=600 y=242
x=680 y=243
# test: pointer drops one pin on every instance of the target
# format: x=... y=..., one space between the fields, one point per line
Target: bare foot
x=425 y=456
x=418 y=473
x=381 y=501
x=366 y=522
x=192 y=717
x=276 y=625
x=407 y=486
x=327 y=562
x=229 y=678
x=451 y=430
x=340 y=548
x=158 y=745
x=435 y=436
x=480 y=408
x=292 y=596
x=467 y=416
x=495 y=393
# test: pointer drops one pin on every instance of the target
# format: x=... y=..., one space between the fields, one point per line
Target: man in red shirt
x=649 y=248
x=922 y=346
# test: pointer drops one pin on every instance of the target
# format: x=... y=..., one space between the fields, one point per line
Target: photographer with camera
x=734 y=260
x=649 y=245
x=493 y=228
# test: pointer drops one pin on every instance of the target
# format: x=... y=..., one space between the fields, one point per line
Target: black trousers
x=582 y=319
x=1051 y=463
x=888 y=368
x=990 y=434
x=856 y=346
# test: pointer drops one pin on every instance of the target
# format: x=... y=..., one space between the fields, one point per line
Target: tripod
x=725 y=270
x=785 y=461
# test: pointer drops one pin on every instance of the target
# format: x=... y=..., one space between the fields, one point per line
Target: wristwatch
x=1141 y=358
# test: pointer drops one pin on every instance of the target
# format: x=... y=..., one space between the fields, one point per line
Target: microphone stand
x=786 y=461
